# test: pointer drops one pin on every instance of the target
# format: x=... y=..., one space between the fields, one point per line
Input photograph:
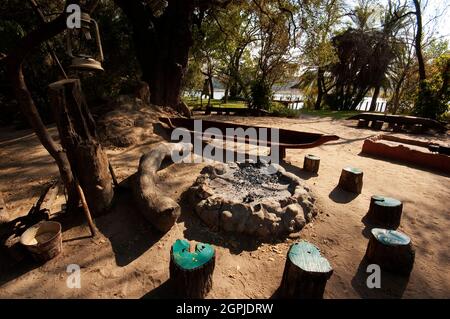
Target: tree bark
x=162 y=46
x=305 y=274
x=161 y=211
x=391 y=250
x=320 y=92
x=351 y=180
x=385 y=212
x=78 y=135
x=376 y=94
x=418 y=42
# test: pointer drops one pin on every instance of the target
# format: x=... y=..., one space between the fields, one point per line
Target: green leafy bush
x=260 y=95
x=278 y=109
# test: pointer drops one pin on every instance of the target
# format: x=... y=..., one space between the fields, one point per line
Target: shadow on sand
x=340 y=196
x=392 y=286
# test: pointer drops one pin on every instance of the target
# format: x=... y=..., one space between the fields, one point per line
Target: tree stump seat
x=311 y=163
x=192 y=272
x=351 y=180
x=363 y=123
x=391 y=250
x=377 y=125
x=306 y=272
x=385 y=212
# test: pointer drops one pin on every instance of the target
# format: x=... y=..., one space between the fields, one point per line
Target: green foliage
x=280 y=110
x=433 y=98
x=261 y=95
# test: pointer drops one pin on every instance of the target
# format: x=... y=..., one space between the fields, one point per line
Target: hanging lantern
x=84 y=45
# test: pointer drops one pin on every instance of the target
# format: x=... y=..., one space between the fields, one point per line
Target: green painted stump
x=351 y=180
x=191 y=272
x=311 y=163
x=306 y=273
x=391 y=250
x=385 y=212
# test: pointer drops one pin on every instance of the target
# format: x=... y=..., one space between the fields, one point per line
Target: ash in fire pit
x=244 y=198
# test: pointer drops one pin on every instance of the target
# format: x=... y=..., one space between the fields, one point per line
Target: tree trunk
x=161 y=211
x=225 y=97
x=30 y=111
x=320 y=92
x=76 y=128
x=418 y=42
x=373 y=104
x=211 y=89
x=162 y=46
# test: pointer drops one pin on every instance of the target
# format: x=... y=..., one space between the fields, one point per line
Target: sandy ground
x=130 y=260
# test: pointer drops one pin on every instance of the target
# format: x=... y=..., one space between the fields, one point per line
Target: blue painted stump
x=385 y=212
x=191 y=272
x=391 y=250
x=306 y=272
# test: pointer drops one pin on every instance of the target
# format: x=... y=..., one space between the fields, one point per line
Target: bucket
x=43 y=240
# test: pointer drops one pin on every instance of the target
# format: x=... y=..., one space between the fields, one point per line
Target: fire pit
x=244 y=198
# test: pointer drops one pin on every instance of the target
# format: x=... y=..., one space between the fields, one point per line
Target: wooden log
x=77 y=131
x=363 y=123
x=391 y=250
x=351 y=180
x=191 y=272
x=305 y=274
x=377 y=125
x=311 y=163
x=160 y=210
x=385 y=212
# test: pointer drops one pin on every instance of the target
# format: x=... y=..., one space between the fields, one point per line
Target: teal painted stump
x=191 y=272
x=351 y=180
x=306 y=272
x=391 y=250
x=385 y=212
x=311 y=163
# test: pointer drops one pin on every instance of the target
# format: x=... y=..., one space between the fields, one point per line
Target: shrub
x=278 y=109
x=260 y=95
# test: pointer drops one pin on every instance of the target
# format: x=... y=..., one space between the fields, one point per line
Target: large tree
x=162 y=39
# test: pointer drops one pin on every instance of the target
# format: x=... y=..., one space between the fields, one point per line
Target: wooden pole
x=86 y=211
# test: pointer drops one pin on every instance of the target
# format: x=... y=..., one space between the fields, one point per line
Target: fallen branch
x=160 y=210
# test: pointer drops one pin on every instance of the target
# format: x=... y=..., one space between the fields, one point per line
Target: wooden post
x=391 y=250
x=86 y=211
x=306 y=272
x=311 y=164
x=191 y=273
x=78 y=135
x=363 y=123
x=351 y=180
x=385 y=212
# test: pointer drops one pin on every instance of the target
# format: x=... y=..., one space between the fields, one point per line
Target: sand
x=130 y=260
